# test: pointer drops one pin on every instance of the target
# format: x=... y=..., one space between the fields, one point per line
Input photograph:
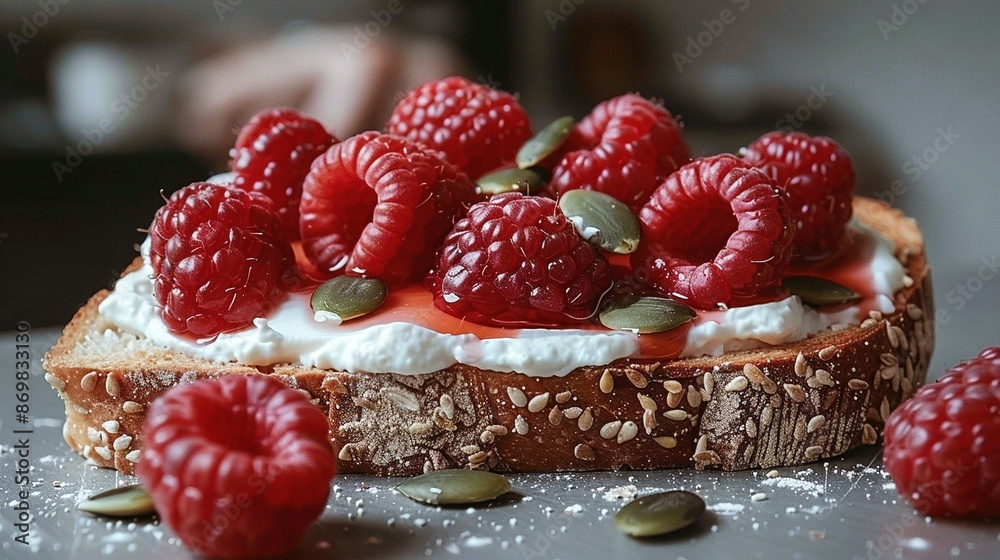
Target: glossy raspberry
x=942 y=446
x=819 y=177
x=238 y=466
x=272 y=156
x=714 y=232
x=219 y=257
x=378 y=205
x=477 y=127
x=516 y=261
x=622 y=148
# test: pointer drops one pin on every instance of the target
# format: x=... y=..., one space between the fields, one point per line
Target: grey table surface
x=843 y=508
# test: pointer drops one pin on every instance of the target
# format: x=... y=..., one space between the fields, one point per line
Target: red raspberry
x=477 y=127
x=819 y=178
x=272 y=156
x=237 y=466
x=380 y=205
x=516 y=261
x=220 y=258
x=622 y=148
x=942 y=447
x=714 y=231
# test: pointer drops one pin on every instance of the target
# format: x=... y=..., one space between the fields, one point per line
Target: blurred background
x=104 y=104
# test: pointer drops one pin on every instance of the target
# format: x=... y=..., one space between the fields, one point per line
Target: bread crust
x=779 y=406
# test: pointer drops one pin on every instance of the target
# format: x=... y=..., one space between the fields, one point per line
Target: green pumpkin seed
x=126 y=501
x=818 y=291
x=348 y=297
x=602 y=220
x=659 y=514
x=455 y=486
x=645 y=314
x=544 y=143
x=512 y=179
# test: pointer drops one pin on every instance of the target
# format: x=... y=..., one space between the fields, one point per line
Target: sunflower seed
x=637 y=378
x=828 y=352
x=125 y=501
x=544 y=143
x=602 y=220
x=675 y=415
x=819 y=291
x=455 y=486
x=346 y=297
x=673 y=386
x=645 y=314
x=796 y=392
x=858 y=384
x=659 y=514
x=646 y=402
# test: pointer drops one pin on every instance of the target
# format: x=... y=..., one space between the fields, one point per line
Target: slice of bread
x=761 y=408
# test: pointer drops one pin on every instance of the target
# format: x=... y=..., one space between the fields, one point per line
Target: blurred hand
x=322 y=72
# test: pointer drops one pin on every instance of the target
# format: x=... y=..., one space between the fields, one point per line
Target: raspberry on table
x=623 y=148
x=377 y=205
x=220 y=259
x=478 y=128
x=272 y=156
x=714 y=232
x=517 y=261
x=819 y=177
x=942 y=446
x=237 y=466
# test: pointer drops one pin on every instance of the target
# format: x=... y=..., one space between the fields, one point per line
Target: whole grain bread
x=762 y=408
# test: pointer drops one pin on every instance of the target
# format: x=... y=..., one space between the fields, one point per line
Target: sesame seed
x=646 y=402
x=538 y=402
x=447 y=405
x=111 y=386
x=420 y=428
x=772 y=474
x=889 y=359
x=828 y=352
x=758 y=497
x=487 y=437
x=131 y=407
x=649 y=421
x=122 y=443
x=637 y=378
x=858 y=384
x=702 y=444
x=674 y=399
x=884 y=409
x=111 y=426
x=868 y=435
x=517 y=397
x=584 y=452
x=89 y=381
x=816 y=423
x=607 y=383
x=520 y=425
x=586 y=420
x=573 y=412
x=800 y=365
x=676 y=415
x=673 y=386
x=555 y=416
x=709 y=382
x=666 y=442
x=825 y=378
x=497 y=430
x=738 y=383
x=133 y=456
x=563 y=397
x=893 y=339
x=628 y=432
x=104 y=452
x=55 y=382
x=796 y=392
x=814 y=451
x=611 y=429
x=693 y=397
x=869 y=323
